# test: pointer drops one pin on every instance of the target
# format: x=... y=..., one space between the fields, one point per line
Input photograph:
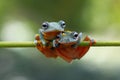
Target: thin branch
x=10 y=44
x=101 y=43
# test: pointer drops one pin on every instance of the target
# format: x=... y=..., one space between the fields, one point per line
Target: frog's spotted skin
x=50 y=30
x=66 y=46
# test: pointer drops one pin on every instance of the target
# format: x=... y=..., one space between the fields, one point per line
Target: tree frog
x=67 y=38
x=50 y=30
x=47 y=33
x=67 y=45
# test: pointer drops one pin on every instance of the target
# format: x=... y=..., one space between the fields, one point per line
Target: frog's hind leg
x=61 y=52
x=82 y=50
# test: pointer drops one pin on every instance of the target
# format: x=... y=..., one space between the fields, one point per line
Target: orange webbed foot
x=92 y=41
x=37 y=37
x=82 y=50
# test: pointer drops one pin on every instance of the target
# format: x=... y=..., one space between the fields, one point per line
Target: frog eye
x=75 y=35
x=62 y=23
x=45 y=25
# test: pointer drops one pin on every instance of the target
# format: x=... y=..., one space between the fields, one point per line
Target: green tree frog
x=66 y=45
x=67 y=38
x=50 y=30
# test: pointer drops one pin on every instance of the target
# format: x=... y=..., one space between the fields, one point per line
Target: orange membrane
x=65 y=51
x=69 y=53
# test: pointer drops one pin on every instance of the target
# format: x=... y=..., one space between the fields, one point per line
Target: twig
x=10 y=44
x=101 y=43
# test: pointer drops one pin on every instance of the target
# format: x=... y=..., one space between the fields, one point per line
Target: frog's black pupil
x=45 y=25
x=63 y=24
x=75 y=35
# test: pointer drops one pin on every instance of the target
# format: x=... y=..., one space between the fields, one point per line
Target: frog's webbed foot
x=88 y=38
x=37 y=37
x=39 y=41
x=92 y=41
x=55 y=44
x=35 y=42
x=44 y=43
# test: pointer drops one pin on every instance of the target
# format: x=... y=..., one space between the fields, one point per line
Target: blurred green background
x=21 y=19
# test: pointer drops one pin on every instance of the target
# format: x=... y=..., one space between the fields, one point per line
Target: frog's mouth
x=51 y=34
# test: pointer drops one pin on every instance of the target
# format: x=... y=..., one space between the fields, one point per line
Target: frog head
x=53 y=26
x=68 y=38
x=51 y=29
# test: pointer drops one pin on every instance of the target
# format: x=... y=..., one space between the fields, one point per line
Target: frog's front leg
x=37 y=41
x=79 y=38
x=55 y=43
x=42 y=38
x=37 y=37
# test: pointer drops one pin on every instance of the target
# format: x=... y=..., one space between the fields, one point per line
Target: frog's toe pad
x=35 y=42
x=92 y=41
x=57 y=45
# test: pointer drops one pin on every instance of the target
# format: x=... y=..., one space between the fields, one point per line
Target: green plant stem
x=101 y=43
x=10 y=44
